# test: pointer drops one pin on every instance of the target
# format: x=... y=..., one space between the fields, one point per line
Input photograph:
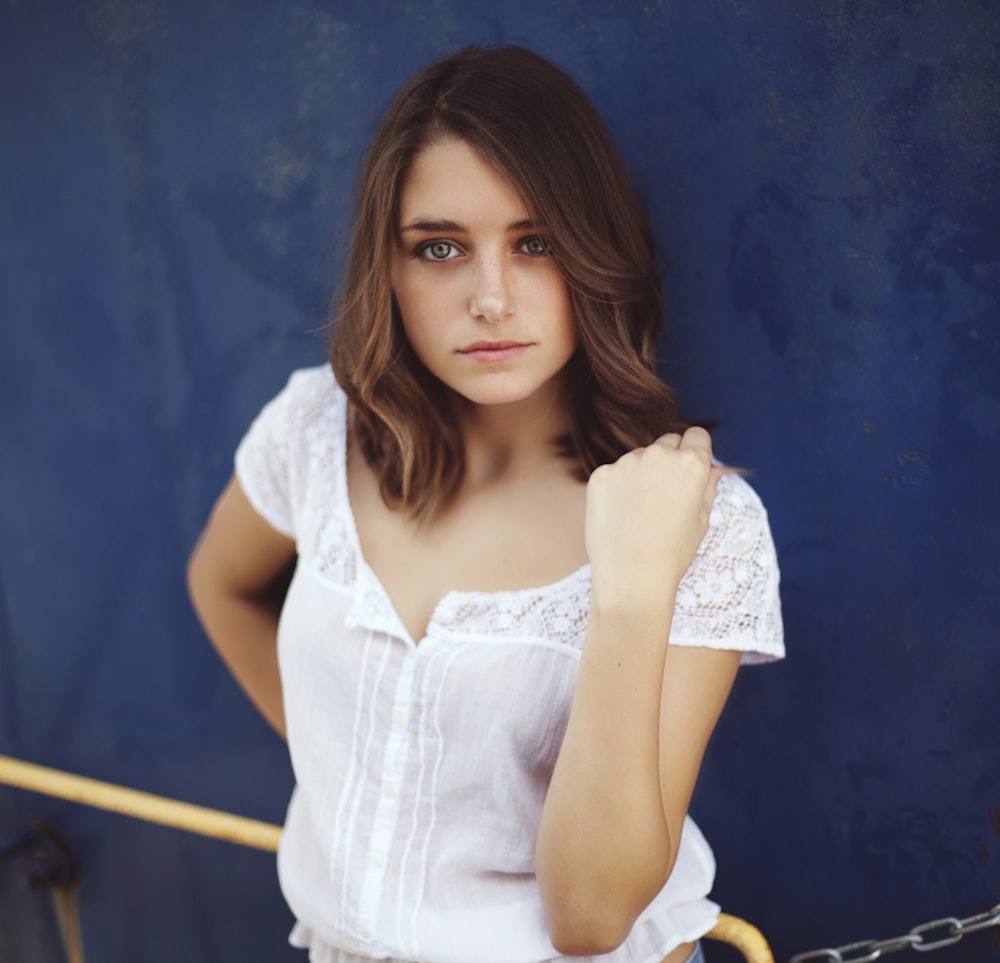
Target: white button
x=389 y=792
x=366 y=931
x=399 y=718
x=378 y=861
x=350 y=622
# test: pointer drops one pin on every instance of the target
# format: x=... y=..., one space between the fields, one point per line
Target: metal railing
x=231 y=828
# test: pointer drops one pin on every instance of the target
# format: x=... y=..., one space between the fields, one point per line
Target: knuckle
x=695 y=460
x=601 y=477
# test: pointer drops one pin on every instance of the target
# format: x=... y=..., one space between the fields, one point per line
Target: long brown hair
x=539 y=130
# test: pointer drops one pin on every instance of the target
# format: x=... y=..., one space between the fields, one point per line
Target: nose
x=492 y=297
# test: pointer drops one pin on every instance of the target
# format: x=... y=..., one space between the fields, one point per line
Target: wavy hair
x=538 y=129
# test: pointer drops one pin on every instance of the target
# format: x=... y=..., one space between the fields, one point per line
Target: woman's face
x=483 y=304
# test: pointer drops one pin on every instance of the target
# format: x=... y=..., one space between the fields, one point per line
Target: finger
x=716 y=472
x=696 y=437
x=670 y=440
x=711 y=488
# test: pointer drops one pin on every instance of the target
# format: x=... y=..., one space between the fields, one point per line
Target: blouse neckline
x=453 y=597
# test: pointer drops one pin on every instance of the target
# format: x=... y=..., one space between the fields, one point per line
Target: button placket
x=386 y=810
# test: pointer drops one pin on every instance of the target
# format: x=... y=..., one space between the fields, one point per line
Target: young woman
x=523 y=587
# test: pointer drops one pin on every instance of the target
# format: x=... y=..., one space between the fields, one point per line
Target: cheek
x=417 y=319
x=419 y=296
x=560 y=306
x=408 y=302
x=570 y=319
x=414 y=331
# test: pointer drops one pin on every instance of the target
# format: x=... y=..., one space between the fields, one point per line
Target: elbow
x=191 y=573
x=195 y=578
x=202 y=587
x=194 y=562
x=591 y=930
x=595 y=918
x=591 y=937
x=588 y=914
x=593 y=894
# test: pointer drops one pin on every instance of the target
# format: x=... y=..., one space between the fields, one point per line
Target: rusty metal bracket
x=52 y=866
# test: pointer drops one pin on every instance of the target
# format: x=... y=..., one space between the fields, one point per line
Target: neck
x=503 y=441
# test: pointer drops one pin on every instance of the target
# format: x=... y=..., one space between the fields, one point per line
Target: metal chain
x=927 y=936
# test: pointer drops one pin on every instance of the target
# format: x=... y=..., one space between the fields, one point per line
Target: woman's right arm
x=236 y=581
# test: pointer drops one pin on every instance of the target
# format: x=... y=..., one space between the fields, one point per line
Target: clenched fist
x=646 y=516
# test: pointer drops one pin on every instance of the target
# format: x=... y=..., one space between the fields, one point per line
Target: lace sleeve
x=728 y=599
x=263 y=461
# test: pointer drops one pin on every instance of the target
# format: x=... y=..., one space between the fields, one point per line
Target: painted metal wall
x=174 y=180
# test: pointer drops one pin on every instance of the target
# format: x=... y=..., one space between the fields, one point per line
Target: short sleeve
x=728 y=598
x=269 y=458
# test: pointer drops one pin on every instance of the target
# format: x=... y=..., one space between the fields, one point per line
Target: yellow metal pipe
x=140 y=805
x=743 y=936
x=248 y=832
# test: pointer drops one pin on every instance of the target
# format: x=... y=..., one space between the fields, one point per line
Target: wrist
x=633 y=610
x=627 y=591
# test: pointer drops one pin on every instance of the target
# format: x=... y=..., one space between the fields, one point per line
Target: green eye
x=438 y=251
x=535 y=246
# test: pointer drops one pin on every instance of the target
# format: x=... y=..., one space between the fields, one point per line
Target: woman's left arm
x=643 y=710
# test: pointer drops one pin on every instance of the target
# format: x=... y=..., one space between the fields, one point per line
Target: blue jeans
x=697 y=954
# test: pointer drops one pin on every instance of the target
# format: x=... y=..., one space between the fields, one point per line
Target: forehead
x=451 y=179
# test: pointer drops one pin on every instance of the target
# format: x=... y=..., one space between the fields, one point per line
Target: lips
x=487 y=351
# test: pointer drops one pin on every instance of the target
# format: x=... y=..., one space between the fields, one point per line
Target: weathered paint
x=175 y=182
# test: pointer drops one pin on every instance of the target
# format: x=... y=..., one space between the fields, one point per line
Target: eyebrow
x=426 y=225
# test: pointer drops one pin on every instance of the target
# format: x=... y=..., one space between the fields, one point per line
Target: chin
x=506 y=389
x=500 y=398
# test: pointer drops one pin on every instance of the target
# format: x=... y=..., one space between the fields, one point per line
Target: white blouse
x=421 y=769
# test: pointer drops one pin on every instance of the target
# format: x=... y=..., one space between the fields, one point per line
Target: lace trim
x=729 y=595
x=728 y=598
x=327 y=541
x=556 y=613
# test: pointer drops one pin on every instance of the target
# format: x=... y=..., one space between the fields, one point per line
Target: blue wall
x=824 y=177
